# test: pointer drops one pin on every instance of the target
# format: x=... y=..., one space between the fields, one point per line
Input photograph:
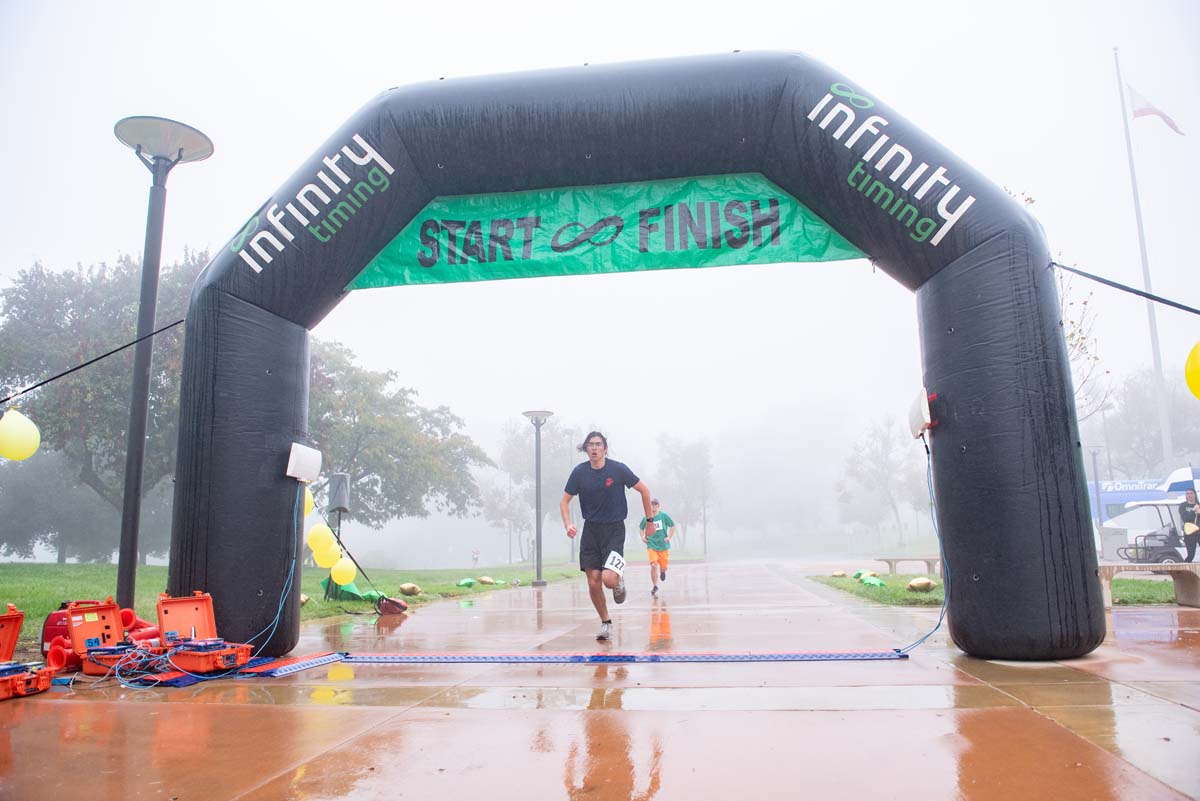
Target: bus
x=1114 y=495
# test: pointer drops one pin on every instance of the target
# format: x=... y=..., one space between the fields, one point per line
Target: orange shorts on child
x=657 y=558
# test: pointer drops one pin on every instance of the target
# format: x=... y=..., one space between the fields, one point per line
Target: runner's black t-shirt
x=601 y=492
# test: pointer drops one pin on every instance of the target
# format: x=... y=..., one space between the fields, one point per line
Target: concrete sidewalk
x=1122 y=723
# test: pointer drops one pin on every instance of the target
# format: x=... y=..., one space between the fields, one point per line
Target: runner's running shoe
x=605 y=631
x=655 y=590
x=619 y=591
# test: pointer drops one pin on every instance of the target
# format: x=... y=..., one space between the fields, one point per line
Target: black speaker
x=339 y=493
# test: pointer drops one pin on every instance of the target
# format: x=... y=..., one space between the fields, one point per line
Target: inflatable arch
x=691 y=162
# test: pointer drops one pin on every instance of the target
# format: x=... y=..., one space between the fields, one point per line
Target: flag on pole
x=1144 y=108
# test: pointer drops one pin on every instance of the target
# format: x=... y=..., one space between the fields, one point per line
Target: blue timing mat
x=295 y=666
x=809 y=656
x=284 y=667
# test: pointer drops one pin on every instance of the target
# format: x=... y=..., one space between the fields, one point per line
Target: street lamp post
x=571 y=447
x=160 y=144
x=538 y=417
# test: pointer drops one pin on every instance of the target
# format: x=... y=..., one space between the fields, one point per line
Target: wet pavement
x=1122 y=723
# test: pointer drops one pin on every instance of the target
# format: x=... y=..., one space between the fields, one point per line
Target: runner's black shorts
x=598 y=541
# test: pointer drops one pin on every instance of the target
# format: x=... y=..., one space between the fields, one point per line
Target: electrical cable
x=941 y=551
x=89 y=361
x=1124 y=288
x=271 y=627
x=138 y=665
x=291 y=573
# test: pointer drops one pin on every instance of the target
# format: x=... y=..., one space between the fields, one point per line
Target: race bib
x=615 y=563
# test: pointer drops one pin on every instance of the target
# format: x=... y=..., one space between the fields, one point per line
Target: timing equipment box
x=16 y=680
x=188 y=627
x=94 y=625
x=187 y=618
x=207 y=660
x=10 y=630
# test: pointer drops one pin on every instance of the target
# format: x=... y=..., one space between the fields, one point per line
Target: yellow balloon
x=19 y=437
x=327 y=557
x=343 y=572
x=320 y=538
x=1191 y=370
x=308 y=502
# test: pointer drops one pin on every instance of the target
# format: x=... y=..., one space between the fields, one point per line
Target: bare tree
x=1092 y=387
x=685 y=471
x=1092 y=384
x=882 y=472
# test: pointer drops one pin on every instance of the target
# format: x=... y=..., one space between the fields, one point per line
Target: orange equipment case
x=26 y=683
x=10 y=630
x=94 y=625
x=55 y=625
x=232 y=656
x=17 y=681
x=188 y=618
x=192 y=618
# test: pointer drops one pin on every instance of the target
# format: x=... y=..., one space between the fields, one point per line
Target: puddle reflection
x=605 y=766
x=660 y=627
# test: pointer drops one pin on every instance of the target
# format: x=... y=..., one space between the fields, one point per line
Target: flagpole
x=1164 y=415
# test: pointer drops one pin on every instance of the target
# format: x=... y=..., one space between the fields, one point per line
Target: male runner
x=600 y=483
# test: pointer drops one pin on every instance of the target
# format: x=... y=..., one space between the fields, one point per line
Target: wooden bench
x=1185 y=576
x=933 y=564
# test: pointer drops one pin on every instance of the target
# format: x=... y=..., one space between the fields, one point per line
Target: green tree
x=77 y=524
x=402 y=458
x=52 y=321
x=507 y=510
x=685 y=475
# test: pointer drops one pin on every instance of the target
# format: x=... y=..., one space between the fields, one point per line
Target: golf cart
x=1162 y=545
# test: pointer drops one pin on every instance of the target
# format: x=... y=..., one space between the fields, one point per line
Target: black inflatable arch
x=1008 y=470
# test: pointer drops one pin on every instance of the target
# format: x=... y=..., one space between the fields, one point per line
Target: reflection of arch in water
x=721 y=160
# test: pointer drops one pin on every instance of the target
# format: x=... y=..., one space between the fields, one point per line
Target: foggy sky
x=779 y=366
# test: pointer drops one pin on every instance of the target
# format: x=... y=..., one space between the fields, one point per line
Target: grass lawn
x=38 y=589
x=892 y=593
x=1125 y=591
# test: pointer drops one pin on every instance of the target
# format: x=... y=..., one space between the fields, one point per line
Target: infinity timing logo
x=892 y=201
x=308 y=198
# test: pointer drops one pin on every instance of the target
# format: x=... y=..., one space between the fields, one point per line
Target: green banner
x=651 y=225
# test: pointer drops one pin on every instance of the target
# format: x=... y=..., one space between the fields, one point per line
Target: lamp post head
x=162 y=143
x=538 y=416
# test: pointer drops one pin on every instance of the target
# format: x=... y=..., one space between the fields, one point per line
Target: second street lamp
x=538 y=417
